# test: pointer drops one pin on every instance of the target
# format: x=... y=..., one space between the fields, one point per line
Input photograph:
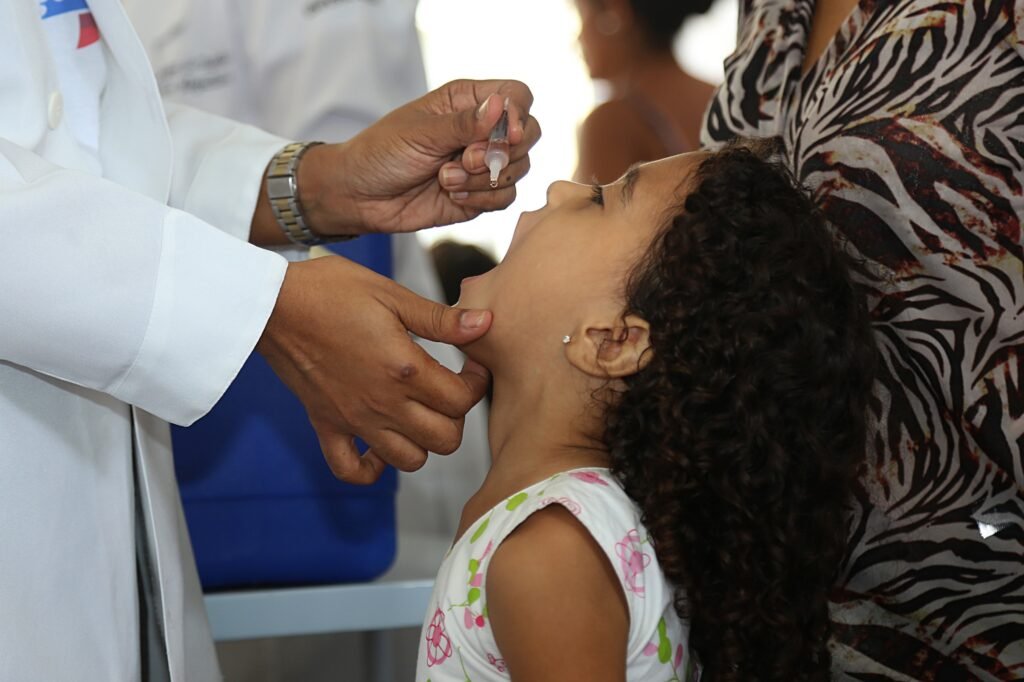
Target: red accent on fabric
x=88 y=31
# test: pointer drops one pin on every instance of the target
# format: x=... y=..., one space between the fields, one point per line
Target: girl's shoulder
x=563 y=563
x=601 y=529
x=596 y=500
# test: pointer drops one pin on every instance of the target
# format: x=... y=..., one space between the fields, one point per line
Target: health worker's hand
x=422 y=165
x=339 y=339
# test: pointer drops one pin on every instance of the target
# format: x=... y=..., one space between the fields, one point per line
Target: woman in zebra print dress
x=909 y=129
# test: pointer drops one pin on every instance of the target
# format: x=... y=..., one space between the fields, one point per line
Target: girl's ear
x=611 y=351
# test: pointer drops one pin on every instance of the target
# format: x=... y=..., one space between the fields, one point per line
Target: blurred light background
x=535 y=41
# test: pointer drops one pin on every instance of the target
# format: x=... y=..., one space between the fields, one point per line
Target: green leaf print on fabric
x=474 y=595
x=516 y=500
x=663 y=650
x=664 y=646
x=476 y=579
x=479 y=530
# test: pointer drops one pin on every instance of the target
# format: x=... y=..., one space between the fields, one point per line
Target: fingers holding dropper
x=454 y=177
x=471 y=173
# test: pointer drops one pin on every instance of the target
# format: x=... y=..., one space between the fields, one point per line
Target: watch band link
x=283 y=193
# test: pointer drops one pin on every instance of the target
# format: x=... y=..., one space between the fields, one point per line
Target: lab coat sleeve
x=105 y=288
x=218 y=167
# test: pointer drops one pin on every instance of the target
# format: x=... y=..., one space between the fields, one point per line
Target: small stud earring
x=566 y=339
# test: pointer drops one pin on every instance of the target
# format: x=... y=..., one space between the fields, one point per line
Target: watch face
x=281 y=186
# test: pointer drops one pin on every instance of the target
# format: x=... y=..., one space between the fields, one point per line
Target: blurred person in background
x=905 y=117
x=655 y=108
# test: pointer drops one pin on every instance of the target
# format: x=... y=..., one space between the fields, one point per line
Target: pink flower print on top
x=572 y=505
x=634 y=560
x=439 y=645
x=588 y=477
x=498 y=663
x=471 y=619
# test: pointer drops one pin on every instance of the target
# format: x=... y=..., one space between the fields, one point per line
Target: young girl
x=681 y=370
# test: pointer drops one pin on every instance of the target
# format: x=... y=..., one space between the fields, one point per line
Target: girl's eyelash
x=597 y=194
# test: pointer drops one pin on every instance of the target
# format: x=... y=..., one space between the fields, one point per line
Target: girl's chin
x=471 y=295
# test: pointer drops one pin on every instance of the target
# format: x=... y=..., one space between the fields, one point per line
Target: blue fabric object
x=52 y=8
x=261 y=505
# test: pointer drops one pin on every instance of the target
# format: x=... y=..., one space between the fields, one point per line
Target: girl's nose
x=563 y=190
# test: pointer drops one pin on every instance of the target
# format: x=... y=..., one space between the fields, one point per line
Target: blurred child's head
x=612 y=32
x=715 y=327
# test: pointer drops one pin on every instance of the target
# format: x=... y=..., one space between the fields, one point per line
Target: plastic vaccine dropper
x=496 y=156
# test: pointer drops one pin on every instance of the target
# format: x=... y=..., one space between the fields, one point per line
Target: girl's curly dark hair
x=741 y=439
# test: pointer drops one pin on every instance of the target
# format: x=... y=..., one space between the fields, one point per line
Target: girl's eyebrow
x=629 y=181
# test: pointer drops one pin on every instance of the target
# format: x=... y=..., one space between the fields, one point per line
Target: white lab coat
x=323 y=70
x=317 y=69
x=108 y=299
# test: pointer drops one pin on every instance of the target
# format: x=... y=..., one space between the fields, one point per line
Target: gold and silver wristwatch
x=283 y=193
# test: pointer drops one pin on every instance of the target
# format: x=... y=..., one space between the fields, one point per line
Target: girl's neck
x=538 y=429
x=535 y=431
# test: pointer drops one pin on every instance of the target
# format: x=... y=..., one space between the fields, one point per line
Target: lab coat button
x=56 y=110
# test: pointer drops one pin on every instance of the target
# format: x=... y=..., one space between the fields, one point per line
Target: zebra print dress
x=910 y=132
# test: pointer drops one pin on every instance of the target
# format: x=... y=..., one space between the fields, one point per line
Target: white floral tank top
x=457 y=644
